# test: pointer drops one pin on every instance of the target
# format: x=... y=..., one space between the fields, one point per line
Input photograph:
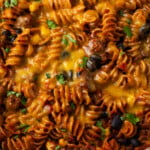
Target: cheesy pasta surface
x=75 y=74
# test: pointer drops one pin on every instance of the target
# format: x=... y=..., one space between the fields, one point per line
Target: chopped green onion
x=51 y=24
x=127 y=31
x=131 y=117
x=60 y=78
x=84 y=62
x=48 y=76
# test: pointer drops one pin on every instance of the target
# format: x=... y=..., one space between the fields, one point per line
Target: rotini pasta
x=74 y=74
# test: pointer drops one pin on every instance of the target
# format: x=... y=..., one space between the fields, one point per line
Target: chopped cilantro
x=51 y=24
x=63 y=130
x=60 y=78
x=24 y=110
x=57 y=147
x=12 y=3
x=84 y=62
x=121 y=12
x=23 y=100
x=127 y=31
x=66 y=38
x=122 y=53
x=128 y=21
x=65 y=41
x=16 y=136
x=72 y=105
x=6 y=4
x=131 y=117
x=99 y=124
x=25 y=127
x=11 y=93
x=48 y=76
x=18 y=94
x=7 y=50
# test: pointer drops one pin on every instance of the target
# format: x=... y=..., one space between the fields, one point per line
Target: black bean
x=6 y=33
x=116 y=122
x=134 y=142
x=94 y=62
x=70 y=74
x=144 y=31
x=65 y=75
x=96 y=59
x=79 y=73
x=65 y=54
x=18 y=30
x=123 y=141
x=12 y=38
x=91 y=65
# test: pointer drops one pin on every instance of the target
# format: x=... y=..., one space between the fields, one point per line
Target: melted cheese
x=72 y=62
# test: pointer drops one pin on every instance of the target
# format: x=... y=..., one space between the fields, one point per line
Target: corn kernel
x=34 y=6
x=45 y=31
x=62 y=142
x=35 y=39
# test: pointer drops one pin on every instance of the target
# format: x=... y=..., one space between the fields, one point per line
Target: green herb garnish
x=66 y=38
x=63 y=130
x=128 y=21
x=25 y=127
x=24 y=110
x=48 y=76
x=122 y=53
x=57 y=147
x=99 y=124
x=51 y=24
x=72 y=105
x=6 y=4
x=65 y=41
x=60 y=78
x=13 y=93
x=16 y=136
x=18 y=94
x=12 y=3
x=84 y=62
x=7 y=50
x=70 y=38
x=121 y=12
x=23 y=100
x=127 y=31
x=131 y=117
